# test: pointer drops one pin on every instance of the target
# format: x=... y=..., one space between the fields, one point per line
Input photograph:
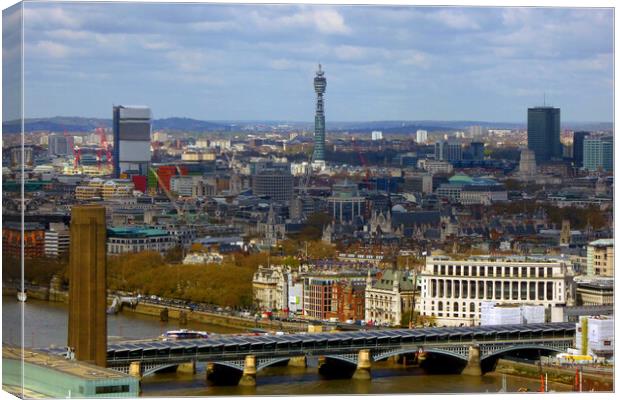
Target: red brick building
x=348 y=300
x=34 y=240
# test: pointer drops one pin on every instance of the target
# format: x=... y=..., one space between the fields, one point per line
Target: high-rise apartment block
x=578 y=138
x=421 y=136
x=132 y=139
x=598 y=153
x=543 y=133
x=448 y=151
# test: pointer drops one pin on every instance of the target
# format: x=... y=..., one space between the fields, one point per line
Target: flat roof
x=76 y=368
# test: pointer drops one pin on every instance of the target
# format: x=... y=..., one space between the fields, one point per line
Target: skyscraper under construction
x=320 y=83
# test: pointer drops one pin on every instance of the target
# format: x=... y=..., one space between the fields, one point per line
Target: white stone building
x=387 y=299
x=453 y=290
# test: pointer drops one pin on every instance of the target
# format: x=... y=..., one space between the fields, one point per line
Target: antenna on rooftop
x=544 y=99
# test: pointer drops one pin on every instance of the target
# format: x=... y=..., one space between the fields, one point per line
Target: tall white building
x=453 y=290
x=377 y=135
x=421 y=136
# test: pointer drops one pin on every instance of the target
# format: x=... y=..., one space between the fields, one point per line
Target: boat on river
x=184 y=334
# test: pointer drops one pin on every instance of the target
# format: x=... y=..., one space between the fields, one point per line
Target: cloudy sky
x=219 y=62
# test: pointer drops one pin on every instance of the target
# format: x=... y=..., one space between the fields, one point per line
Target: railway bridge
x=250 y=354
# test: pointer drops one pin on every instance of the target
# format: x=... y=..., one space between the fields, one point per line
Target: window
x=541 y=272
x=523 y=272
x=443 y=270
x=606 y=342
x=458 y=270
x=474 y=270
x=112 y=389
x=549 y=271
x=450 y=270
x=466 y=270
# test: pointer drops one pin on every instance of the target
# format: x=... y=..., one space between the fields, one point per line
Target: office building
x=527 y=163
x=578 y=138
x=320 y=83
x=598 y=153
x=453 y=290
x=60 y=145
x=131 y=127
x=275 y=183
x=421 y=136
x=600 y=258
x=57 y=240
x=477 y=151
x=135 y=240
x=448 y=151
x=543 y=133
x=87 y=285
x=376 y=135
x=390 y=298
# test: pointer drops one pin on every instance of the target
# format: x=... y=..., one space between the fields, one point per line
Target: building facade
x=453 y=290
x=389 y=298
x=134 y=240
x=543 y=133
x=131 y=128
x=600 y=258
x=598 y=153
x=275 y=183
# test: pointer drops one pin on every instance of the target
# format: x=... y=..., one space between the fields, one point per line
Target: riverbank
x=228 y=321
x=173 y=313
x=598 y=382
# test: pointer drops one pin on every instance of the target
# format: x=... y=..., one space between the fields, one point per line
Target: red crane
x=104 y=146
x=364 y=164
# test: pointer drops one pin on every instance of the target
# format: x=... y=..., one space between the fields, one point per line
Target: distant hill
x=176 y=124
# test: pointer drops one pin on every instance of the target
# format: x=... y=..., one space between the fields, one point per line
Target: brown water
x=46 y=325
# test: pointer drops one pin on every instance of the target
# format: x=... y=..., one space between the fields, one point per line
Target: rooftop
x=76 y=368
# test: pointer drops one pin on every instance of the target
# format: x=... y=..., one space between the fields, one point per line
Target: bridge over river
x=249 y=354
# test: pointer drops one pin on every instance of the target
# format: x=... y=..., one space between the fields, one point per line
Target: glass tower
x=543 y=133
x=320 y=83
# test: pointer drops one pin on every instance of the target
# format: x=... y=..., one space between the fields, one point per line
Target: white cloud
x=46 y=48
x=454 y=19
x=328 y=21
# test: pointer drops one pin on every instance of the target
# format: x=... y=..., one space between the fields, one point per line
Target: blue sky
x=218 y=62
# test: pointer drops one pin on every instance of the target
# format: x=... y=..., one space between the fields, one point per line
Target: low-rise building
x=134 y=240
x=601 y=258
x=389 y=298
x=57 y=240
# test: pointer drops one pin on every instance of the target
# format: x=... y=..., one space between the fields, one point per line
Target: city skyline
x=213 y=62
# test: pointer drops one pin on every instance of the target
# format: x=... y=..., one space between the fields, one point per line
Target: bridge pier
x=473 y=362
x=362 y=371
x=249 y=372
x=187 y=368
x=135 y=369
x=299 y=362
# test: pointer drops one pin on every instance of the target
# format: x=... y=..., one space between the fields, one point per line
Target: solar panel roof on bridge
x=444 y=332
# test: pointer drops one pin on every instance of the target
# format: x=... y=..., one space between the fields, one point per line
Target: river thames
x=46 y=325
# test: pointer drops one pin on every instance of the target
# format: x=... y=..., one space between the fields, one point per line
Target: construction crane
x=180 y=212
x=104 y=147
x=363 y=163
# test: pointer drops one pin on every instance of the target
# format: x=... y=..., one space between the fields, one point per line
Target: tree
x=175 y=254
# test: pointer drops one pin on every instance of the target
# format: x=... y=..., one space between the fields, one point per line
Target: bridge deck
x=235 y=345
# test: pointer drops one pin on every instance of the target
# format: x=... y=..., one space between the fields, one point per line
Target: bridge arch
x=348 y=358
x=260 y=364
x=397 y=352
x=499 y=352
x=151 y=369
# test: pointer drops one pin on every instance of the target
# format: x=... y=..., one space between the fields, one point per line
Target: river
x=46 y=325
